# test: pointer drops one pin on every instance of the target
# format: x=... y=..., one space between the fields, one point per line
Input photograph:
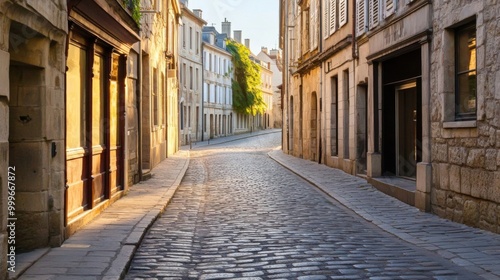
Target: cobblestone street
x=239 y=214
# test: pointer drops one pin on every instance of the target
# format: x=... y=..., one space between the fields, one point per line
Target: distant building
x=274 y=59
x=191 y=76
x=218 y=115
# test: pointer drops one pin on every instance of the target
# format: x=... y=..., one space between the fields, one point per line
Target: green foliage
x=134 y=6
x=247 y=95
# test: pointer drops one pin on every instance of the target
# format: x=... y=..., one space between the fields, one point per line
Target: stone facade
x=465 y=153
x=274 y=58
x=157 y=69
x=393 y=104
x=191 y=76
x=32 y=107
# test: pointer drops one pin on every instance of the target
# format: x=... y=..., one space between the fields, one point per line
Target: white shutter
x=326 y=19
x=333 y=16
x=390 y=7
x=374 y=13
x=342 y=12
x=313 y=24
x=361 y=17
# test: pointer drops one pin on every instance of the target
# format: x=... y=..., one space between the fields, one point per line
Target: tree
x=247 y=95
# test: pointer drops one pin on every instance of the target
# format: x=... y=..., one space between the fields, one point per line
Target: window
x=390 y=7
x=197 y=42
x=313 y=26
x=197 y=79
x=163 y=98
x=184 y=36
x=184 y=74
x=333 y=16
x=76 y=117
x=361 y=17
x=346 y=113
x=190 y=38
x=342 y=12
x=465 y=72
x=326 y=19
x=305 y=31
x=190 y=77
x=374 y=6
x=334 y=117
x=155 y=96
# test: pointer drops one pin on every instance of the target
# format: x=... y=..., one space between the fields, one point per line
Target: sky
x=257 y=19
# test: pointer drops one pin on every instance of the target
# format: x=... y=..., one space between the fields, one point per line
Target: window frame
x=463 y=28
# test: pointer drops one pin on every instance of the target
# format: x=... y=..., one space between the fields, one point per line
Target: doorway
x=406 y=130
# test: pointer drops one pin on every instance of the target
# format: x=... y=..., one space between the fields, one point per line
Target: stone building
x=302 y=47
x=191 y=76
x=218 y=115
x=274 y=58
x=393 y=41
x=32 y=108
x=343 y=143
x=266 y=120
x=465 y=112
x=159 y=134
x=408 y=99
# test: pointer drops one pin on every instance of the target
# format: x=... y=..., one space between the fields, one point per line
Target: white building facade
x=191 y=76
x=218 y=115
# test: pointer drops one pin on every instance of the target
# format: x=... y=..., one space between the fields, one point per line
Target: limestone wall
x=466 y=155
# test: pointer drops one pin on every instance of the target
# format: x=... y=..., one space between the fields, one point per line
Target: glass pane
x=466 y=47
x=114 y=110
x=75 y=104
x=466 y=93
x=98 y=102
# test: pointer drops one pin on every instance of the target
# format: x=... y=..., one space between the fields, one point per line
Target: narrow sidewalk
x=476 y=250
x=103 y=248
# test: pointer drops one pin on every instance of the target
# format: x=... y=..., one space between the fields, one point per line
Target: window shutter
x=313 y=25
x=326 y=18
x=361 y=17
x=374 y=13
x=342 y=12
x=333 y=16
x=390 y=7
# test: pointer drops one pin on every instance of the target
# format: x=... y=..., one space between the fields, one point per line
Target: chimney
x=198 y=13
x=237 y=36
x=226 y=27
x=264 y=50
x=247 y=43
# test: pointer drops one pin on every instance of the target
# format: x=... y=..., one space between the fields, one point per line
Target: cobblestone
x=240 y=214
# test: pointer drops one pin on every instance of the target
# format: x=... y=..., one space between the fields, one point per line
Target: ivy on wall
x=247 y=95
x=134 y=6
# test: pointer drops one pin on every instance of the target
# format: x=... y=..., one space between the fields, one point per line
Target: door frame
x=397 y=89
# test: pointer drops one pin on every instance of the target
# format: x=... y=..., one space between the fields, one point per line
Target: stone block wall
x=32 y=120
x=466 y=155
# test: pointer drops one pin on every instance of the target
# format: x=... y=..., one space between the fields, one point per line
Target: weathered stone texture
x=472 y=190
